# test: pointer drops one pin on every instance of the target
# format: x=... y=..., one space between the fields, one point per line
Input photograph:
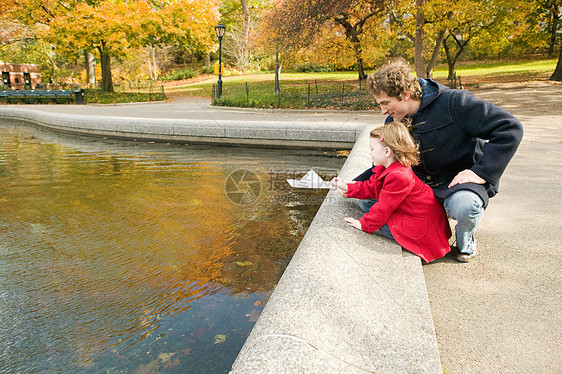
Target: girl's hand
x=353 y=222
x=340 y=183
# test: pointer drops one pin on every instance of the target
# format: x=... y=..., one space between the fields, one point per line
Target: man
x=465 y=144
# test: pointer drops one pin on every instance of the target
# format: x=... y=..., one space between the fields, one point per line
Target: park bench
x=42 y=96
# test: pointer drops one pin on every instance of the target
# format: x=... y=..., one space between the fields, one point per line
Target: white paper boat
x=309 y=180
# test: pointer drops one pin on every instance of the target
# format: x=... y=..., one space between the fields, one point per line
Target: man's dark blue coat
x=456 y=131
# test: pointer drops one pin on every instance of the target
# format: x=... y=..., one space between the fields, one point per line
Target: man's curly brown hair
x=394 y=78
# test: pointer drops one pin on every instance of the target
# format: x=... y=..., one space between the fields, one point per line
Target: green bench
x=42 y=96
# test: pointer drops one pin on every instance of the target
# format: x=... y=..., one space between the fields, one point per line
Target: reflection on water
x=125 y=257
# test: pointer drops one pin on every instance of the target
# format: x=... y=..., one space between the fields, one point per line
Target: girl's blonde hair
x=396 y=136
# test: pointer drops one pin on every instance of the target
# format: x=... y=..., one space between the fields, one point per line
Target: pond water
x=130 y=257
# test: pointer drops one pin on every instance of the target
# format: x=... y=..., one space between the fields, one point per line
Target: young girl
x=405 y=207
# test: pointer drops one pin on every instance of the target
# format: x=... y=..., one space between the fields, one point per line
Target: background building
x=20 y=76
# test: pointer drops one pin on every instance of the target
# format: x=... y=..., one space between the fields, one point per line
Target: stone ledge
x=251 y=133
x=348 y=302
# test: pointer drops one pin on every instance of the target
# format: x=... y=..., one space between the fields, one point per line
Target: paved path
x=181 y=107
x=503 y=312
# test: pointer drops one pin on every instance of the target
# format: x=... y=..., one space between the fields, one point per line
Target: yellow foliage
x=118 y=25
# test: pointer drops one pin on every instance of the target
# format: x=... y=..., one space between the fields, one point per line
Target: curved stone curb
x=348 y=302
x=251 y=133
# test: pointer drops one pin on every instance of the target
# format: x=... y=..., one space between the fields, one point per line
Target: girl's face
x=380 y=154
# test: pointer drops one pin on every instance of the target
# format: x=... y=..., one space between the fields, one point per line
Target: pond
x=139 y=257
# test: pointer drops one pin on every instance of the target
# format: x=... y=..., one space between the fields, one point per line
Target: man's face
x=392 y=106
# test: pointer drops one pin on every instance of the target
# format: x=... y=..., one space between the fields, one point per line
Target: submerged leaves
x=219 y=339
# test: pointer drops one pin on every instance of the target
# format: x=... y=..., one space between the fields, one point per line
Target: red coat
x=416 y=219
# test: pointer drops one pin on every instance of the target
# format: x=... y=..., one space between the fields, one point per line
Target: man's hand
x=353 y=222
x=466 y=176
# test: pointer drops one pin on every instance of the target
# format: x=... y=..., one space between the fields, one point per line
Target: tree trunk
x=152 y=67
x=450 y=62
x=149 y=63
x=89 y=65
x=418 y=44
x=557 y=75
x=208 y=59
x=352 y=34
x=436 y=49
x=277 y=89
x=359 y=56
x=435 y=55
x=553 y=29
x=244 y=58
x=51 y=63
x=106 y=79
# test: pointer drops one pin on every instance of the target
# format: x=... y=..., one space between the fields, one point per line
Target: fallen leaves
x=247 y=263
x=166 y=360
x=219 y=339
x=186 y=351
x=253 y=315
x=150 y=368
x=200 y=332
x=165 y=357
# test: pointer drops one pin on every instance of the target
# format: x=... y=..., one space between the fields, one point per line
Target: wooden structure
x=20 y=76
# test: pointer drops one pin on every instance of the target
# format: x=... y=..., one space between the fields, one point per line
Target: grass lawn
x=96 y=96
x=502 y=69
x=341 y=89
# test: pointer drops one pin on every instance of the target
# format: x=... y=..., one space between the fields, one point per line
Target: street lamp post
x=220 y=29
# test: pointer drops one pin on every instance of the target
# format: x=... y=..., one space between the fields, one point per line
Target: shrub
x=312 y=67
x=179 y=74
x=99 y=97
x=208 y=70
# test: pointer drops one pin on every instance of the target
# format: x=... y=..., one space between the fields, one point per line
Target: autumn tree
x=552 y=10
x=555 y=9
x=491 y=27
x=557 y=75
x=38 y=16
x=112 y=27
x=5 y=5
x=425 y=24
x=179 y=25
x=541 y=19
x=296 y=23
x=245 y=33
x=537 y=26
x=22 y=20
x=239 y=17
x=433 y=24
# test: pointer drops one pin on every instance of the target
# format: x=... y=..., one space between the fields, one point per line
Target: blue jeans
x=467 y=209
x=464 y=206
x=365 y=206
